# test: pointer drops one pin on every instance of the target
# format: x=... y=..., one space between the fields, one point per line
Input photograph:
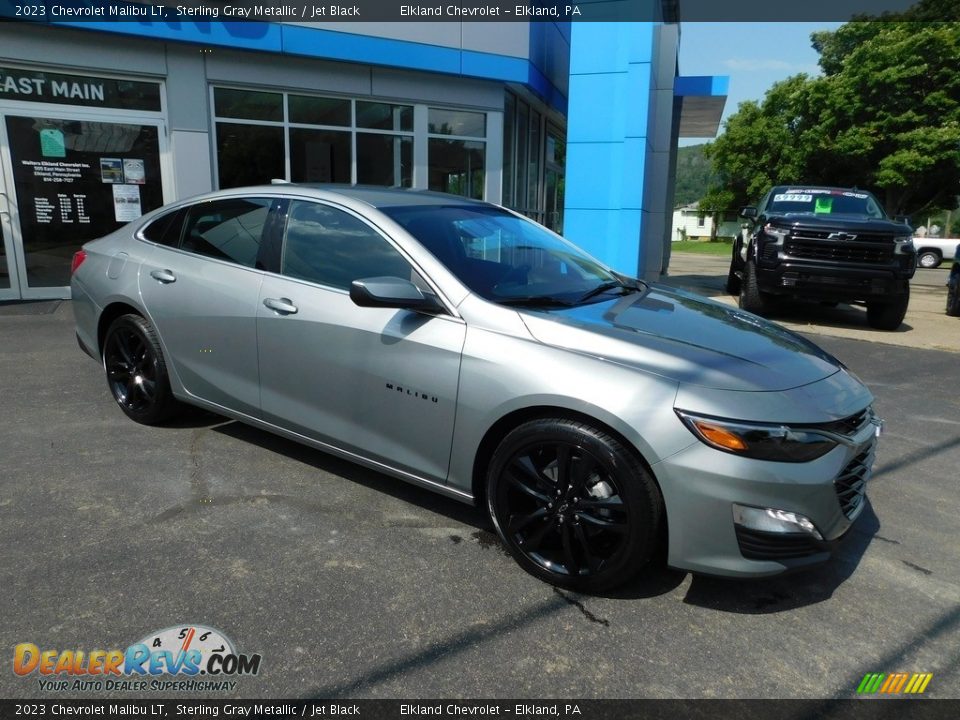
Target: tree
x=884 y=116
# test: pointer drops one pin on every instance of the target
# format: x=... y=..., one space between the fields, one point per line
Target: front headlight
x=903 y=244
x=775 y=233
x=779 y=443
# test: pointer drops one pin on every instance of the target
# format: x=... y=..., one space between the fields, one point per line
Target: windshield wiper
x=603 y=287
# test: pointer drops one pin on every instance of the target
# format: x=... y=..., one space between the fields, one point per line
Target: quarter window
x=331 y=247
x=230 y=229
x=165 y=230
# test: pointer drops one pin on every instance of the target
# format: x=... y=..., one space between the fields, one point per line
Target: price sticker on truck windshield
x=792 y=197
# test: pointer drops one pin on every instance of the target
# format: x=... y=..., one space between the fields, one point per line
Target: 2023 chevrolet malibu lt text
x=461 y=347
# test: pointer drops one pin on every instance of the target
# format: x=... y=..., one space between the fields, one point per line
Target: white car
x=931 y=251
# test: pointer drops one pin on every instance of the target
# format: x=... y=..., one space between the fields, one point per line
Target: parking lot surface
x=925 y=326
x=353 y=584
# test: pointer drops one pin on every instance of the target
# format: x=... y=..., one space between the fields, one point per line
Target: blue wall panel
x=607 y=120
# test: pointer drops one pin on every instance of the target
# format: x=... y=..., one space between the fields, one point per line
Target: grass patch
x=721 y=247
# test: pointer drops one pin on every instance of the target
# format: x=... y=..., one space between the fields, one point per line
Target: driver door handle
x=281 y=305
x=163 y=276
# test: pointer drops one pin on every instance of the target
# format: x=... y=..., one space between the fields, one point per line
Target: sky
x=753 y=55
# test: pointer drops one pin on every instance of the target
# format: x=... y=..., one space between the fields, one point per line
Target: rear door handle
x=281 y=305
x=164 y=276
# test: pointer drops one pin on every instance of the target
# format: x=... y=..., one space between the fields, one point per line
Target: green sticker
x=823 y=204
x=51 y=143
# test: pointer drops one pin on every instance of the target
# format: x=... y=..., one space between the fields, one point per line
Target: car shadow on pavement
x=850 y=317
x=791 y=590
x=380 y=482
x=735 y=595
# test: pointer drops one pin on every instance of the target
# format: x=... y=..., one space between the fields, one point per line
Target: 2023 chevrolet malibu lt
x=459 y=346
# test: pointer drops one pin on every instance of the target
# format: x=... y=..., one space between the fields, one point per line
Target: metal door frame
x=13 y=237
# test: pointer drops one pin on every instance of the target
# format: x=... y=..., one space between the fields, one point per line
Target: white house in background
x=690 y=224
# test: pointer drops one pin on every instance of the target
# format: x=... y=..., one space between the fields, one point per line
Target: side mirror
x=748 y=212
x=391 y=292
x=905 y=219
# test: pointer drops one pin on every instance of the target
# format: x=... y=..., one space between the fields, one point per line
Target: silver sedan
x=459 y=346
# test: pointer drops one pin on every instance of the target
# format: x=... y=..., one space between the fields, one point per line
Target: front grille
x=858 y=237
x=828 y=250
x=759 y=545
x=849 y=425
x=851 y=484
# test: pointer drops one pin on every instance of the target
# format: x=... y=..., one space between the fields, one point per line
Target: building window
x=305 y=138
x=534 y=157
x=456 y=152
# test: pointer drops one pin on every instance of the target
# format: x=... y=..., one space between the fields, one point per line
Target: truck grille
x=851 y=484
x=807 y=249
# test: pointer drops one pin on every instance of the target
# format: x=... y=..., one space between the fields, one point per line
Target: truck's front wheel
x=752 y=298
x=888 y=314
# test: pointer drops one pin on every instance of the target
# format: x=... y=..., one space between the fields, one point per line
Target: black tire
x=733 y=280
x=888 y=314
x=136 y=371
x=574 y=506
x=953 y=299
x=752 y=298
x=929 y=259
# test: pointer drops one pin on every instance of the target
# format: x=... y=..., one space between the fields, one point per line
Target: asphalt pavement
x=351 y=584
x=926 y=324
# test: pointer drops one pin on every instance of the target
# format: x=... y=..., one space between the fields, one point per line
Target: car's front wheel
x=928 y=259
x=136 y=371
x=574 y=506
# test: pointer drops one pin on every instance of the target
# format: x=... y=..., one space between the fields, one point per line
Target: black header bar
x=325 y=11
x=863 y=709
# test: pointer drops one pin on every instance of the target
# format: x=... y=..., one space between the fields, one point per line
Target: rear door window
x=231 y=229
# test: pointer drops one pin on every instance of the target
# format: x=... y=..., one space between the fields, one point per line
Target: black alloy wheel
x=136 y=372
x=574 y=507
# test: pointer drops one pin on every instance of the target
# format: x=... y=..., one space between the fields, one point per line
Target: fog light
x=773 y=521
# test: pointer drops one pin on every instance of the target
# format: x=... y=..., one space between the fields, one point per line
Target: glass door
x=71 y=180
x=9 y=287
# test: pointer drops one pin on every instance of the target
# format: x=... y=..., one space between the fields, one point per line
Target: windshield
x=504 y=258
x=820 y=201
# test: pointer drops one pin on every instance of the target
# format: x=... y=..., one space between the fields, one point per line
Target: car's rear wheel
x=888 y=314
x=136 y=371
x=574 y=506
x=752 y=298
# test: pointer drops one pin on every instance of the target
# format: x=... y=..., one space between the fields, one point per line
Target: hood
x=849 y=223
x=686 y=338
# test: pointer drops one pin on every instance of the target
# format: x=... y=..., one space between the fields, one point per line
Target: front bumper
x=701 y=485
x=831 y=281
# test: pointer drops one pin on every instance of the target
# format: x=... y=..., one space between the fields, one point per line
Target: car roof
x=805 y=186
x=380 y=197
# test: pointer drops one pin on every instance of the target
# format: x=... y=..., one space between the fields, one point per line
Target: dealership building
x=573 y=124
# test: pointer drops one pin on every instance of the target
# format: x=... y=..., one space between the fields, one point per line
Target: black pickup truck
x=827 y=244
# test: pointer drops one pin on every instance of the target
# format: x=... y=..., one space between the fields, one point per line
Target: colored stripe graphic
x=894 y=683
x=870 y=683
x=918 y=683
